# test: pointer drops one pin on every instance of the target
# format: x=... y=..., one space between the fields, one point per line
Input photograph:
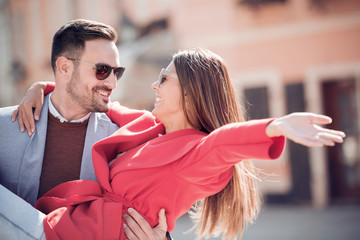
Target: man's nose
x=111 y=81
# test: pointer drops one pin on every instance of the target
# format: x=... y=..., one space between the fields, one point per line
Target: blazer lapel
x=29 y=179
x=99 y=127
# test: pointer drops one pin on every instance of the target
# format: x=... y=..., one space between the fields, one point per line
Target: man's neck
x=67 y=109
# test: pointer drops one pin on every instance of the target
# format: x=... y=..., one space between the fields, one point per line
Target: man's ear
x=64 y=67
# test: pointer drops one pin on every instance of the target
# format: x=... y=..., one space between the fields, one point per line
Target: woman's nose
x=155 y=86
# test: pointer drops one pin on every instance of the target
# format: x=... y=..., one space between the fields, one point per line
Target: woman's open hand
x=303 y=128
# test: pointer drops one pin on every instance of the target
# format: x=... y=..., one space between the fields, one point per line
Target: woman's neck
x=176 y=126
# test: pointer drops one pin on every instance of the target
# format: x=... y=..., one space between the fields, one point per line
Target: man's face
x=84 y=88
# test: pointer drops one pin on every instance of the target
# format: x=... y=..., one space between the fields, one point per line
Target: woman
x=200 y=154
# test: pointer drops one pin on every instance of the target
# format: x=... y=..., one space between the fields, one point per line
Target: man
x=85 y=61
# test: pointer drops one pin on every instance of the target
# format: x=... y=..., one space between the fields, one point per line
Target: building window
x=258 y=3
x=257 y=102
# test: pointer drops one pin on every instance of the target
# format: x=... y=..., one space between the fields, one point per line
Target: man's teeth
x=105 y=94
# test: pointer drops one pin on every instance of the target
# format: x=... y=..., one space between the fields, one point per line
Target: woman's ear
x=186 y=100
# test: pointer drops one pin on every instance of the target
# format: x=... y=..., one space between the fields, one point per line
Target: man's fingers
x=139 y=219
x=129 y=234
x=138 y=228
x=134 y=227
x=162 y=220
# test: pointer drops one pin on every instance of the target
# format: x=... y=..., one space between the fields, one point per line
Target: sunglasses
x=164 y=73
x=102 y=70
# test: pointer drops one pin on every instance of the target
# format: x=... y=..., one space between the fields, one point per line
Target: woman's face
x=167 y=106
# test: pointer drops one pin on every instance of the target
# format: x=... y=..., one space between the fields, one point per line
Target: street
x=284 y=222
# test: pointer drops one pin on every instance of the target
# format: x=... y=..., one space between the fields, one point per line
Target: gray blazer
x=21 y=156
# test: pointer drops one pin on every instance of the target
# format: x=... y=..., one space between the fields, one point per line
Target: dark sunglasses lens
x=102 y=71
x=119 y=72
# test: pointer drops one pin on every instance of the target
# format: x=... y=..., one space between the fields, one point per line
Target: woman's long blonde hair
x=210 y=103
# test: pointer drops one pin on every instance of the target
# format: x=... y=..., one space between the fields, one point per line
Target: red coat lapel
x=127 y=137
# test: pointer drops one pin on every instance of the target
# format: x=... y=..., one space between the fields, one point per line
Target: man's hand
x=137 y=228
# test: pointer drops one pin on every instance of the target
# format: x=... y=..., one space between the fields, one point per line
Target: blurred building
x=283 y=55
x=26 y=31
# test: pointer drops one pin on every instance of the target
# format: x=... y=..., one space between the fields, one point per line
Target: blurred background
x=283 y=55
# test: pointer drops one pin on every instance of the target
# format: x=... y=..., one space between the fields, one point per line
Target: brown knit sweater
x=63 y=153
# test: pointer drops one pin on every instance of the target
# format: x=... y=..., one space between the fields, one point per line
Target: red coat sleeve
x=226 y=146
x=122 y=115
x=49 y=88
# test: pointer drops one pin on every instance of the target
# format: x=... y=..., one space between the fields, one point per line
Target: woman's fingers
x=309 y=142
x=329 y=138
x=319 y=119
x=14 y=114
x=20 y=121
x=34 y=98
x=321 y=139
x=333 y=132
x=27 y=118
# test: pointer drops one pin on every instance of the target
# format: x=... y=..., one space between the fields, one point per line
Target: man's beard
x=87 y=102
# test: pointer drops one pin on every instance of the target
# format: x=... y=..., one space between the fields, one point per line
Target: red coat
x=171 y=171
